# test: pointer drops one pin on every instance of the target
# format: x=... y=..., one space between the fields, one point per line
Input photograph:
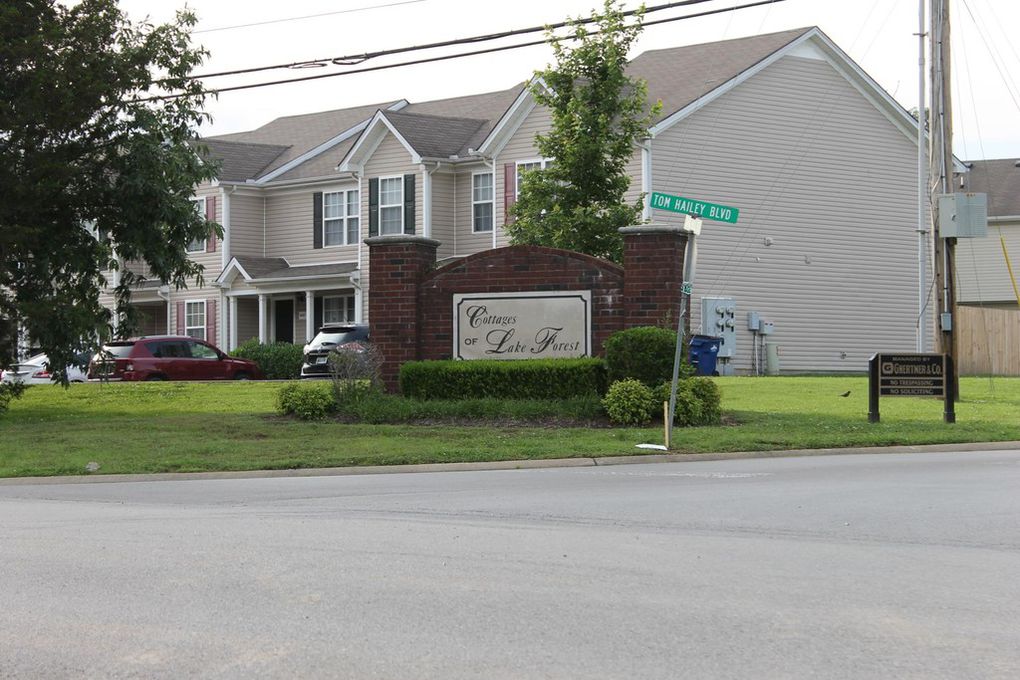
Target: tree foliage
x=88 y=165
x=598 y=115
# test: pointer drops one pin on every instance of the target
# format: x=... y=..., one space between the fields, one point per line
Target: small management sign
x=910 y=375
x=535 y=325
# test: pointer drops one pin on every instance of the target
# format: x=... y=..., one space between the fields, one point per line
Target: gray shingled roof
x=316 y=270
x=1000 y=179
x=680 y=75
x=258 y=267
x=241 y=160
x=443 y=127
x=435 y=136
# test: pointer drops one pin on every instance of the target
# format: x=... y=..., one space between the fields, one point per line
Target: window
x=527 y=166
x=200 y=351
x=340 y=213
x=338 y=309
x=198 y=244
x=481 y=201
x=194 y=319
x=391 y=205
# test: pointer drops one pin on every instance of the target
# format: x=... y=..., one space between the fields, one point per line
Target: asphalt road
x=846 y=566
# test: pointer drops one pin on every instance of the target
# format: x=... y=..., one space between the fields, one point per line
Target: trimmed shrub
x=526 y=379
x=629 y=402
x=306 y=400
x=644 y=353
x=698 y=402
x=378 y=408
x=278 y=360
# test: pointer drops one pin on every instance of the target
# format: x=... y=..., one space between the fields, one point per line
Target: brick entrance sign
x=411 y=302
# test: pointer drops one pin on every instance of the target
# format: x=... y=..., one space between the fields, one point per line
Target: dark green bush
x=629 y=402
x=527 y=379
x=306 y=400
x=9 y=392
x=698 y=402
x=644 y=353
x=278 y=360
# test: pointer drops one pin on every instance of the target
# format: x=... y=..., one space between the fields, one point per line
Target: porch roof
x=256 y=270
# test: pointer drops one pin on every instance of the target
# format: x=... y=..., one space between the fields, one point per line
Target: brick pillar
x=653 y=271
x=396 y=266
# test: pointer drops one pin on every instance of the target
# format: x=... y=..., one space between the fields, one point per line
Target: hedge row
x=527 y=379
x=278 y=360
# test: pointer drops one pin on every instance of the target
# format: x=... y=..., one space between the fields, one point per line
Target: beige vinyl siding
x=205 y=292
x=390 y=158
x=444 y=219
x=247 y=225
x=982 y=275
x=521 y=147
x=247 y=318
x=820 y=174
x=290 y=234
x=212 y=262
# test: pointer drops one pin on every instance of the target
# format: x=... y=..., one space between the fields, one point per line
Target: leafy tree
x=88 y=164
x=598 y=115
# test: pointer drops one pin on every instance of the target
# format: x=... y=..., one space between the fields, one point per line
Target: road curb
x=637 y=459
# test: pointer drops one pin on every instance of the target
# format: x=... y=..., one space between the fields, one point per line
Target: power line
x=307 y=16
x=446 y=57
x=349 y=60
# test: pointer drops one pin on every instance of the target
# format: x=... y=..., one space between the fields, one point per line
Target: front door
x=283 y=312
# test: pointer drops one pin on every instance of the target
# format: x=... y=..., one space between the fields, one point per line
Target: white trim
x=510 y=121
x=369 y=141
x=403 y=199
x=343 y=307
x=225 y=223
x=543 y=163
x=232 y=265
x=646 y=179
x=426 y=208
x=491 y=201
x=205 y=319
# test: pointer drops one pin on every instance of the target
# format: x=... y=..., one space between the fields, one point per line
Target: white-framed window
x=341 y=211
x=338 y=309
x=391 y=205
x=525 y=166
x=198 y=245
x=194 y=319
x=481 y=201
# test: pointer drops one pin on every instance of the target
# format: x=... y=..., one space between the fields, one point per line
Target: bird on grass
x=845 y=394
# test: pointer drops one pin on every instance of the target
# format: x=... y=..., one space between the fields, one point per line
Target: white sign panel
x=537 y=325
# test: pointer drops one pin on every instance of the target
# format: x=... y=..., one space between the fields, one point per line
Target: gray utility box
x=963 y=215
x=718 y=318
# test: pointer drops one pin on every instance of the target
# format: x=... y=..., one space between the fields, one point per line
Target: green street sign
x=687 y=288
x=690 y=206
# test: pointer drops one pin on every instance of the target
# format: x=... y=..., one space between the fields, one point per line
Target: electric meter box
x=963 y=215
x=767 y=328
x=719 y=318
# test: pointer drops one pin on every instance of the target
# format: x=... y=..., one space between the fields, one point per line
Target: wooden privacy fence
x=989 y=341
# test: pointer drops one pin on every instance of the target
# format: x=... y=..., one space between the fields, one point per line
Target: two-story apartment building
x=819 y=159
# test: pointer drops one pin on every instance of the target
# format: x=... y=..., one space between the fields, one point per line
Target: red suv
x=168 y=357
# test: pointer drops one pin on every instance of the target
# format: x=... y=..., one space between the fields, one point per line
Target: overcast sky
x=877 y=34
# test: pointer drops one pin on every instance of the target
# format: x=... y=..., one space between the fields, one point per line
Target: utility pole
x=941 y=139
x=923 y=190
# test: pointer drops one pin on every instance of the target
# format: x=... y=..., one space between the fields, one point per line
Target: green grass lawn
x=163 y=427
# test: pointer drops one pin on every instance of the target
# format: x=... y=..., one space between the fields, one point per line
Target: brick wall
x=411 y=302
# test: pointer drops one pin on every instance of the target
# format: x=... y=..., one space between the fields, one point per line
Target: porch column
x=263 y=318
x=359 y=297
x=309 y=316
x=232 y=325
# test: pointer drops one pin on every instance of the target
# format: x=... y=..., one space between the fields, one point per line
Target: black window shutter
x=317 y=219
x=408 y=204
x=317 y=319
x=373 y=206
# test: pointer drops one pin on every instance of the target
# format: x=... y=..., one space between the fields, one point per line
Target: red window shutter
x=509 y=190
x=180 y=318
x=211 y=321
x=210 y=214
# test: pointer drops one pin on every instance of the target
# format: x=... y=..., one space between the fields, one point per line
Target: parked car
x=35 y=371
x=168 y=357
x=329 y=338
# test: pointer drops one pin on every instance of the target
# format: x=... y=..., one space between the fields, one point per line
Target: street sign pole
x=692 y=226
